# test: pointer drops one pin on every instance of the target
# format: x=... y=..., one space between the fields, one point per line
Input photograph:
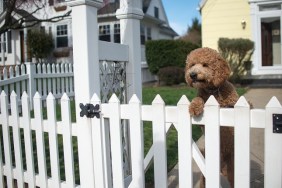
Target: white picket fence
x=108 y=171
x=42 y=78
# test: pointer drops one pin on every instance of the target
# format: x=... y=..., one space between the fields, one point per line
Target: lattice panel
x=113 y=80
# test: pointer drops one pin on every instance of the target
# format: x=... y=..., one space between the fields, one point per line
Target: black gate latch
x=277 y=123
x=89 y=110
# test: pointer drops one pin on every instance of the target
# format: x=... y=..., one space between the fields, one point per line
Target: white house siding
x=151 y=10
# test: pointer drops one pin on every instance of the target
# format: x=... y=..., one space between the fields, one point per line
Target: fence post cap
x=13 y=94
x=24 y=95
x=273 y=103
x=95 y=98
x=134 y=99
x=93 y=3
x=50 y=96
x=242 y=102
x=65 y=97
x=37 y=95
x=211 y=101
x=183 y=101
x=114 y=99
x=3 y=94
x=158 y=100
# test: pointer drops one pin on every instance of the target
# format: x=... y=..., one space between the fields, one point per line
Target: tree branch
x=26 y=19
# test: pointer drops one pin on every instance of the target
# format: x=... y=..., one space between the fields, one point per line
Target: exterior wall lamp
x=243 y=23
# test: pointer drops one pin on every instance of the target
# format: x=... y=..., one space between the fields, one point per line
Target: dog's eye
x=205 y=65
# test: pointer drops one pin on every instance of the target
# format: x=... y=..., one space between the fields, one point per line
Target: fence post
x=272 y=145
x=86 y=78
x=30 y=70
x=130 y=13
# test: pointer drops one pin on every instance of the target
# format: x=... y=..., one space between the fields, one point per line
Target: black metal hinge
x=277 y=123
x=89 y=110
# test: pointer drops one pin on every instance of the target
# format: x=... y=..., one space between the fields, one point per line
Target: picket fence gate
x=18 y=140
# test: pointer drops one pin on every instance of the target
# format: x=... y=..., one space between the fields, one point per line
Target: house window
x=156 y=12
x=149 y=33
x=104 y=33
x=117 y=33
x=142 y=34
x=7 y=42
x=62 y=36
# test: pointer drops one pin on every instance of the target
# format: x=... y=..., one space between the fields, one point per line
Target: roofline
x=201 y=4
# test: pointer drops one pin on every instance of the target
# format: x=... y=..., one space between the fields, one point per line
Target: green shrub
x=236 y=52
x=164 y=53
x=171 y=75
x=40 y=44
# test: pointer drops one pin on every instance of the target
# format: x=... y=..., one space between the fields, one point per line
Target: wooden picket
x=241 y=117
x=17 y=140
x=28 y=140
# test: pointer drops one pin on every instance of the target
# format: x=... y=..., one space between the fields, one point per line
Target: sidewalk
x=259 y=98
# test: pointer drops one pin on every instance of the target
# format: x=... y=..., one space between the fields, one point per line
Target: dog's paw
x=196 y=107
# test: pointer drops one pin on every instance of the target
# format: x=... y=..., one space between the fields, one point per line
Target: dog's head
x=205 y=68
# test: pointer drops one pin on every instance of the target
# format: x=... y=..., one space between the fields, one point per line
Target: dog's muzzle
x=193 y=75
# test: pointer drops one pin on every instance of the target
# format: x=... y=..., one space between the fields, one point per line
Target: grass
x=170 y=95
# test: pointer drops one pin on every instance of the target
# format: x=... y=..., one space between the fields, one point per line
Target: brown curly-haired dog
x=207 y=71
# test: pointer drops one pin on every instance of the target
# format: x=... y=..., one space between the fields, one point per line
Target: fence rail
x=241 y=117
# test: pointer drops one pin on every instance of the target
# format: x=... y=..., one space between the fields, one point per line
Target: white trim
x=256 y=17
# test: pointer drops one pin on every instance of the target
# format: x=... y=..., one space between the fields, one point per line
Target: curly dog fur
x=207 y=71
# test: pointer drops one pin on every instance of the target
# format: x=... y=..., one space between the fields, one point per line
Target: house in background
x=154 y=26
x=257 y=20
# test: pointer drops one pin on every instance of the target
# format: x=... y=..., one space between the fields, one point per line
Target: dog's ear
x=221 y=72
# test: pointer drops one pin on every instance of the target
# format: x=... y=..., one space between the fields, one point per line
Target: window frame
x=62 y=35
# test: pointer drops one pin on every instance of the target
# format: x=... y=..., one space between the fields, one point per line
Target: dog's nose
x=193 y=75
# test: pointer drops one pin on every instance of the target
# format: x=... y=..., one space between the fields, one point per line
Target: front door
x=270 y=41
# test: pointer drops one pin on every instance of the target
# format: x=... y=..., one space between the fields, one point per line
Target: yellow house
x=257 y=20
x=224 y=18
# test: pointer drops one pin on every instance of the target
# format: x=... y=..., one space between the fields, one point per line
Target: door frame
x=256 y=17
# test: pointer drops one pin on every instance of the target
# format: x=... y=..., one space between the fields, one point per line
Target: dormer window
x=156 y=12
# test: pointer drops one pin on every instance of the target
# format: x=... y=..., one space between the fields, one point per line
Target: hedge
x=164 y=53
x=40 y=44
x=237 y=52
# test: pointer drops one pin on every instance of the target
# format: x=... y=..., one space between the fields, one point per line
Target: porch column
x=130 y=13
x=2 y=49
x=25 y=30
x=86 y=78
